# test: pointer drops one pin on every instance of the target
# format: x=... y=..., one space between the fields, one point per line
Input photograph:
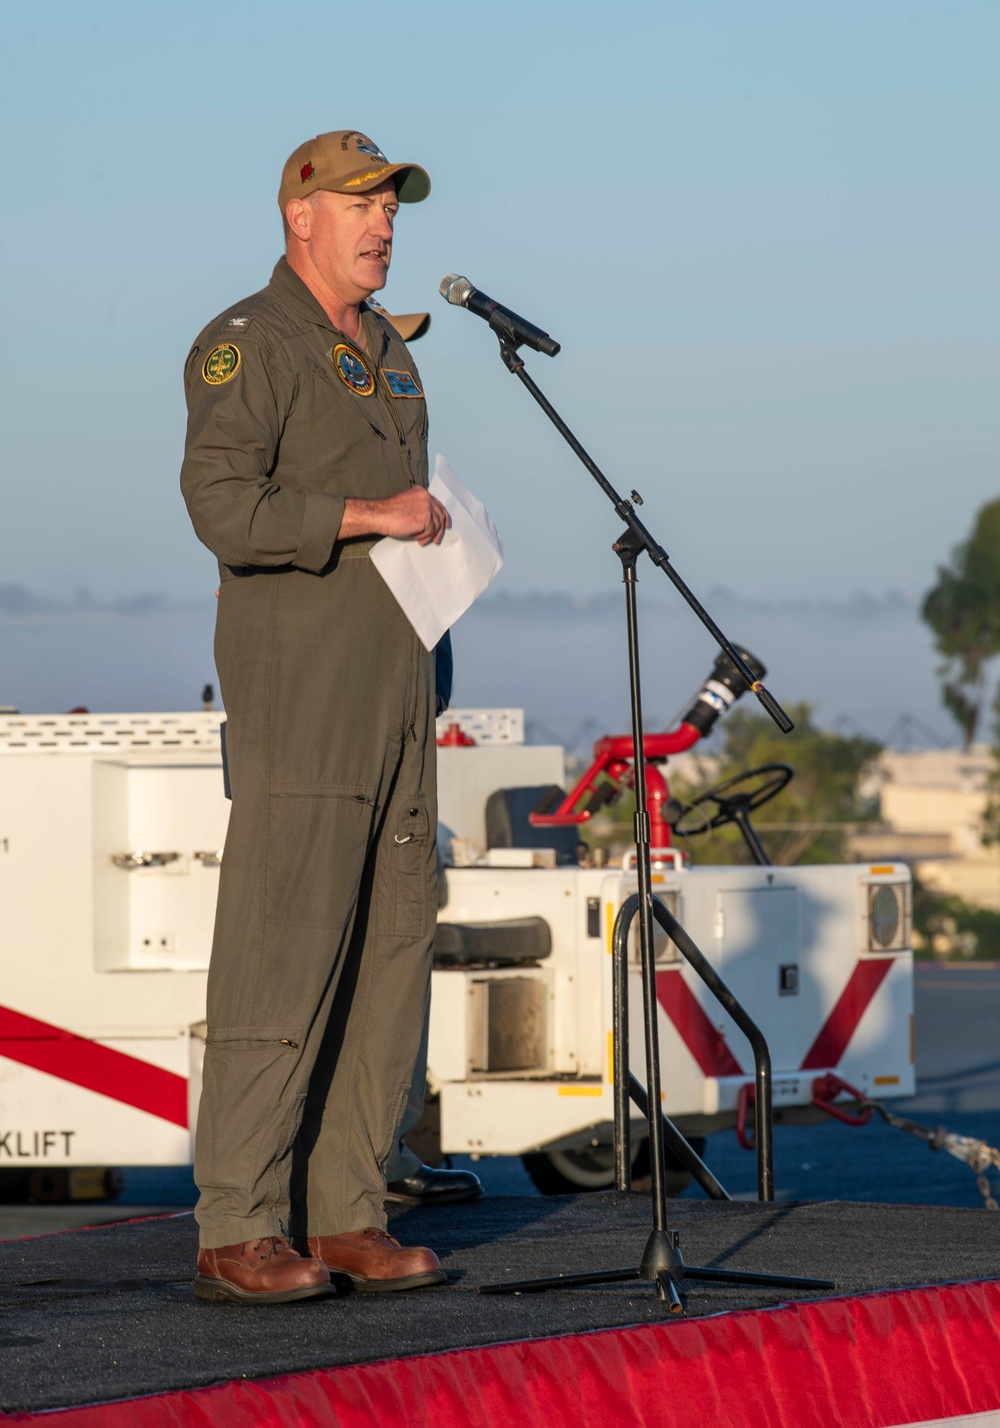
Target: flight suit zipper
x=418 y=654
x=410 y=729
x=383 y=387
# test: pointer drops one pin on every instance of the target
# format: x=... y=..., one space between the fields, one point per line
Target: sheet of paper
x=434 y=584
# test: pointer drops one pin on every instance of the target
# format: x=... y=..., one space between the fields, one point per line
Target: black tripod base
x=663 y=1266
x=667 y=1290
x=739 y=1276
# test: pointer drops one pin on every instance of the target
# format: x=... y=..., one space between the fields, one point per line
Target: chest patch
x=401 y=384
x=221 y=363
x=353 y=370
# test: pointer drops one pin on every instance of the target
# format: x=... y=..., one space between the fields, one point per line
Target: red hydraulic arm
x=612 y=770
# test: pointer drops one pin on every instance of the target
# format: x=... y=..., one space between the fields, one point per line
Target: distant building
x=932 y=805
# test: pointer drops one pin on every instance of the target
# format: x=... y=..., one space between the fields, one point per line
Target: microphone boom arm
x=636 y=537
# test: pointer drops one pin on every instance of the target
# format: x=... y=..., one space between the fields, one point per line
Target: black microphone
x=505 y=324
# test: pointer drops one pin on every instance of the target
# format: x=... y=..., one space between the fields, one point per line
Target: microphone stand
x=661 y=1261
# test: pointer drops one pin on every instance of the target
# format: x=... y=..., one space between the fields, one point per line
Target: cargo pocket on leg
x=396 y=1107
x=317 y=843
x=410 y=873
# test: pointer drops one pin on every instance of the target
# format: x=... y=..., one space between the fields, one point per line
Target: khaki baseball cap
x=347 y=162
x=410 y=325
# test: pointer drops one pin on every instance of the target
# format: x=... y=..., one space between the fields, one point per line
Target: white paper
x=434 y=584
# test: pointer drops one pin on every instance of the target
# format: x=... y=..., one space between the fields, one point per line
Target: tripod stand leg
x=668 y=1293
x=740 y=1276
x=679 y=1146
x=562 y=1281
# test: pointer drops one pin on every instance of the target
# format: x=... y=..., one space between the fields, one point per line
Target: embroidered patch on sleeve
x=401 y=384
x=221 y=363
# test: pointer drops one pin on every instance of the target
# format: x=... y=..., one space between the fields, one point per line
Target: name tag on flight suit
x=401 y=384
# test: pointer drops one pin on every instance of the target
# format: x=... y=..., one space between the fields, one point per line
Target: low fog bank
x=863 y=663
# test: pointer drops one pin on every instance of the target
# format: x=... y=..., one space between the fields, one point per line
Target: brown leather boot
x=264 y=1271
x=375 y=1262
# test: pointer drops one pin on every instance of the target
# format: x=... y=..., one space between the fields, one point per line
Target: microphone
x=505 y=324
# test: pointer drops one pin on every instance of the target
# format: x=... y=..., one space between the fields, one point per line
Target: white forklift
x=112 y=831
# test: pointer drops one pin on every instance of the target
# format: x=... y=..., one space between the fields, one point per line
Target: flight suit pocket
x=412 y=864
x=316 y=848
x=254 y=1038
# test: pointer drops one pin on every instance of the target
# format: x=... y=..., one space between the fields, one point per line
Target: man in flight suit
x=306 y=443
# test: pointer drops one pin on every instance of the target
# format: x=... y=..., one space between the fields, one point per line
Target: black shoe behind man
x=434 y=1186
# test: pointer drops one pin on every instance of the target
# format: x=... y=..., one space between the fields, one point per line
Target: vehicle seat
x=507 y=824
x=498 y=944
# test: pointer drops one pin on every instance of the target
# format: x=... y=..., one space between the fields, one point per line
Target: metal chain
x=976 y=1154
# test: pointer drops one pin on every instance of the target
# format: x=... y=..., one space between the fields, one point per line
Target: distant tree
x=827 y=789
x=991 y=813
x=963 y=610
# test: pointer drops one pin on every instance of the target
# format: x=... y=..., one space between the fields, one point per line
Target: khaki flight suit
x=320 y=971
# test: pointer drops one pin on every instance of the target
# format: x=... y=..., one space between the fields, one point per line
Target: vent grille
x=80 y=733
x=889 y=917
x=508 y=1025
x=486 y=726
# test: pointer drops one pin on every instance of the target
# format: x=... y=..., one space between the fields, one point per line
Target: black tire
x=59 y=1186
x=14 y=1187
x=580 y=1172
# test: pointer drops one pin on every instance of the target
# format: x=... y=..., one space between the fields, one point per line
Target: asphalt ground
x=958 y=1086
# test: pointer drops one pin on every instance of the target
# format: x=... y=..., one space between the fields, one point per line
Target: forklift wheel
x=13 y=1187
x=575 y=1172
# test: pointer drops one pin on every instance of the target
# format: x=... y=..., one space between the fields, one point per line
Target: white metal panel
x=467 y=777
x=722 y=1093
x=879 y=1058
x=159 y=917
x=449 y=1028
x=759 y=930
x=48 y=874
x=45 y=1120
x=512 y=1117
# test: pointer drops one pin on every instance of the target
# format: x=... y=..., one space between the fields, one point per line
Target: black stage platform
x=109 y=1313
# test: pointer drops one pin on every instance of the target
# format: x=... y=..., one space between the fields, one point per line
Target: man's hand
x=412 y=515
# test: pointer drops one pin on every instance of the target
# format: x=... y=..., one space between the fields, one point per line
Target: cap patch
x=372 y=149
x=401 y=384
x=352 y=370
x=364 y=178
x=306 y=172
x=221 y=363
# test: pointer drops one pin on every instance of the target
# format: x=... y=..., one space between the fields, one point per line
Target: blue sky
x=765 y=234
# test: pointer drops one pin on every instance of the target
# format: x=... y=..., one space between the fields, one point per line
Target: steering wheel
x=732 y=800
